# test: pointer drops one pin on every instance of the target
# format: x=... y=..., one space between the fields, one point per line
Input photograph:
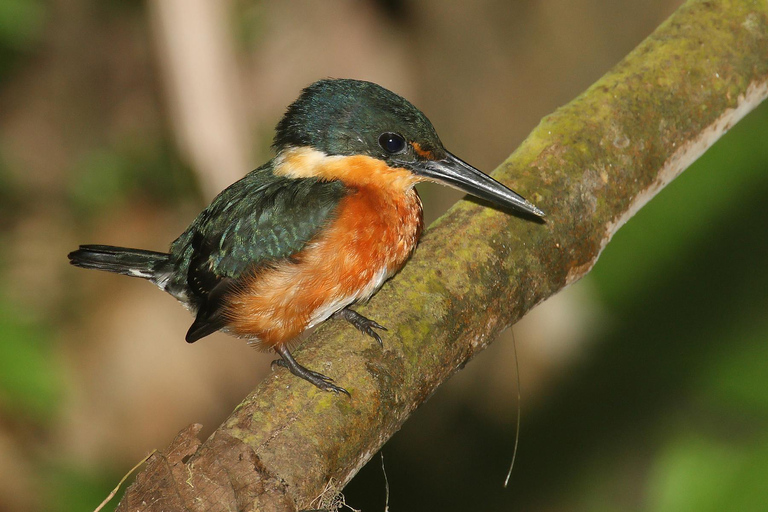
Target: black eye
x=392 y=142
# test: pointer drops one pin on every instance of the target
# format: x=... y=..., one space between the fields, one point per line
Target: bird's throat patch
x=354 y=171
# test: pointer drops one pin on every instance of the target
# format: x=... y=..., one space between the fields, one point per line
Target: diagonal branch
x=590 y=165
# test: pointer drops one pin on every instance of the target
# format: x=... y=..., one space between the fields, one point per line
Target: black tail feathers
x=121 y=260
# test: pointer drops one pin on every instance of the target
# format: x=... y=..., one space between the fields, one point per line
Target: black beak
x=456 y=173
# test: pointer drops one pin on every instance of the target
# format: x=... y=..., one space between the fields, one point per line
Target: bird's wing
x=259 y=220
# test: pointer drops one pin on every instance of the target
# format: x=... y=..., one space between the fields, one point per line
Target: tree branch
x=590 y=165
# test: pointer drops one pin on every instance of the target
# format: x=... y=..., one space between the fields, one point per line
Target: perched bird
x=315 y=230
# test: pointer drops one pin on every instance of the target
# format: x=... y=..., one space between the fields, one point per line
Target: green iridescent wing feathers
x=259 y=220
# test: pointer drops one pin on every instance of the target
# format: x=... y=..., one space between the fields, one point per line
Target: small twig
x=386 y=484
x=122 y=480
x=519 y=412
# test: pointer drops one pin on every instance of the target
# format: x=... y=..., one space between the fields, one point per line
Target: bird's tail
x=121 y=260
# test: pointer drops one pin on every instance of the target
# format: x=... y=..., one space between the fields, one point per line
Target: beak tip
x=525 y=206
x=537 y=211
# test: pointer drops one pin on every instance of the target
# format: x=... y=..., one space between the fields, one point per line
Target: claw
x=361 y=323
x=317 y=379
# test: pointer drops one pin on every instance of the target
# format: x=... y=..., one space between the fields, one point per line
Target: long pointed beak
x=456 y=173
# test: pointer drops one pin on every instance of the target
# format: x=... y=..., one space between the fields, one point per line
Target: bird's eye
x=392 y=142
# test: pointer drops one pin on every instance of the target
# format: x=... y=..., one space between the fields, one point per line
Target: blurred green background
x=644 y=386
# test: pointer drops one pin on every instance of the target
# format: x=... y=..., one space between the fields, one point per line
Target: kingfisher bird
x=314 y=231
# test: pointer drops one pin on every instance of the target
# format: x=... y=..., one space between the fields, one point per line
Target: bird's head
x=343 y=117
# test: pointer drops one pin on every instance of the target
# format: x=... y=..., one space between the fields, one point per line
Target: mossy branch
x=590 y=165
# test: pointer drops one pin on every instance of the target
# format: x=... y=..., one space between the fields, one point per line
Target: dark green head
x=352 y=117
x=349 y=117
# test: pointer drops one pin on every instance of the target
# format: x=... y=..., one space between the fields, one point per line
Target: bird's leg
x=318 y=379
x=363 y=324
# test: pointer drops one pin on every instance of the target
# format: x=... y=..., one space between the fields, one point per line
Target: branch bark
x=590 y=165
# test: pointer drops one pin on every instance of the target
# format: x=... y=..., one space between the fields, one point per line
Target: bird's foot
x=361 y=323
x=317 y=379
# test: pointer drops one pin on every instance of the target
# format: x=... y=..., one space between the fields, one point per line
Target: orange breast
x=372 y=236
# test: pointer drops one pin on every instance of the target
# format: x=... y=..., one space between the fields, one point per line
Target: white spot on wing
x=138 y=273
